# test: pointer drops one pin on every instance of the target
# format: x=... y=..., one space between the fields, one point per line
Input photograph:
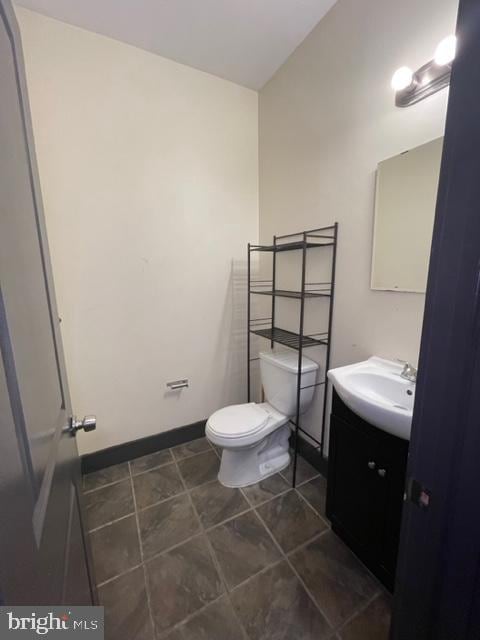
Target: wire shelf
x=290 y=338
x=284 y=293
x=291 y=246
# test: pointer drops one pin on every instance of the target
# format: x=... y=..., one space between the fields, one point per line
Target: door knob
x=382 y=473
x=89 y=423
x=371 y=464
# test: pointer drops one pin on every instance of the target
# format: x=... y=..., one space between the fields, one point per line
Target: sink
x=376 y=392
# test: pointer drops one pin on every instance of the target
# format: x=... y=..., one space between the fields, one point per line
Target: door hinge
x=418 y=494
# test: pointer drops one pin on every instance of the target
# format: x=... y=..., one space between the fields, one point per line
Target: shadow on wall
x=231 y=348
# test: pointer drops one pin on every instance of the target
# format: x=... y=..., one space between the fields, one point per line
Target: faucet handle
x=409 y=372
x=405 y=363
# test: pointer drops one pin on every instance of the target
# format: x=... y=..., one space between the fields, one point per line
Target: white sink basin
x=376 y=392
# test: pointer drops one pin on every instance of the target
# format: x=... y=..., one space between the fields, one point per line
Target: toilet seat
x=243 y=424
x=238 y=420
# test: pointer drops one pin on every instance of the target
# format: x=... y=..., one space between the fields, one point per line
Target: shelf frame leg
x=300 y=357
x=274 y=275
x=330 y=324
x=248 y=319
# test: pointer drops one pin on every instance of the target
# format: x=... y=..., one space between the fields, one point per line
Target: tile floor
x=179 y=557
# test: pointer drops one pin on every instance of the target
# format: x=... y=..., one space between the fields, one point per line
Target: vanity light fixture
x=411 y=87
x=402 y=78
x=446 y=50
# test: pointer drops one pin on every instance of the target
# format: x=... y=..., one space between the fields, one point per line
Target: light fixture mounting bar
x=426 y=81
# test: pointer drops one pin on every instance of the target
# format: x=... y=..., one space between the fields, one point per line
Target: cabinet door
x=351 y=484
x=392 y=459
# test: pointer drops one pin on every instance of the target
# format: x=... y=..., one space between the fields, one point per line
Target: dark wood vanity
x=366 y=482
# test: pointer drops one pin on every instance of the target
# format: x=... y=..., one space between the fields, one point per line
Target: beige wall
x=326 y=119
x=149 y=173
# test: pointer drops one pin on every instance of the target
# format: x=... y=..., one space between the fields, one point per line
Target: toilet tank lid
x=288 y=360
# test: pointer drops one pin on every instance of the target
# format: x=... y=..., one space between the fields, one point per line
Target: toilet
x=254 y=437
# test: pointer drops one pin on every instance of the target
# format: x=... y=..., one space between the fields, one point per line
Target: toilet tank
x=279 y=373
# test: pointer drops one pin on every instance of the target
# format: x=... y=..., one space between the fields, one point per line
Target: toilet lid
x=238 y=420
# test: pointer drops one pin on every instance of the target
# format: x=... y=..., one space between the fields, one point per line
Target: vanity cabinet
x=366 y=482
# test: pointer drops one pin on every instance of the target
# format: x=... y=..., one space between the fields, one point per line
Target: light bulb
x=445 y=52
x=402 y=78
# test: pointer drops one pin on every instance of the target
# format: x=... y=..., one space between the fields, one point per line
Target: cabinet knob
x=371 y=464
x=382 y=473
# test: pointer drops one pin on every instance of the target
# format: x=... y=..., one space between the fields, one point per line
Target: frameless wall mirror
x=406 y=195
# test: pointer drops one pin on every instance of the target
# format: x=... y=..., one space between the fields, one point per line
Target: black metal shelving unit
x=314 y=239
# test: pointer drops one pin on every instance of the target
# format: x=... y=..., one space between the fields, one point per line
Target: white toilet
x=254 y=437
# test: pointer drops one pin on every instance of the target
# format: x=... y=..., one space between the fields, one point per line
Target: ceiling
x=244 y=41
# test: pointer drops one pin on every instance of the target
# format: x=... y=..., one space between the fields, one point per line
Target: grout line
x=300 y=546
x=119 y=575
x=140 y=543
x=131 y=473
x=377 y=593
x=246 y=497
x=166 y=633
x=260 y=504
x=272 y=497
x=219 y=456
x=199 y=522
x=306 y=543
x=147 y=593
x=214 y=558
x=223 y=522
x=187 y=491
x=206 y=529
x=285 y=557
x=218 y=568
x=200 y=485
x=323 y=518
x=154 y=504
x=144 y=471
x=159 y=502
x=203 y=531
x=203 y=485
x=108 y=484
x=359 y=610
x=272 y=565
x=298 y=484
x=103 y=486
x=282 y=493
x=107 y=524
x=238 y=619
x=191 y=455
x=172 y=548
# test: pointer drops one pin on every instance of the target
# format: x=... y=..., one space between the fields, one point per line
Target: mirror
x=406 y=195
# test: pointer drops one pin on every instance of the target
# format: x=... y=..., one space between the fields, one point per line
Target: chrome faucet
x=409 y=372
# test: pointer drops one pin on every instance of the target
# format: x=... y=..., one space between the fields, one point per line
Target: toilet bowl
x=254 y=437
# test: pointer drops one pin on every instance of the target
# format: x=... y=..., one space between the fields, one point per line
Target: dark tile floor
x=180 y=557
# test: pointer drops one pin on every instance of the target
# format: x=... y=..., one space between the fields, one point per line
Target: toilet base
x=244 y=467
